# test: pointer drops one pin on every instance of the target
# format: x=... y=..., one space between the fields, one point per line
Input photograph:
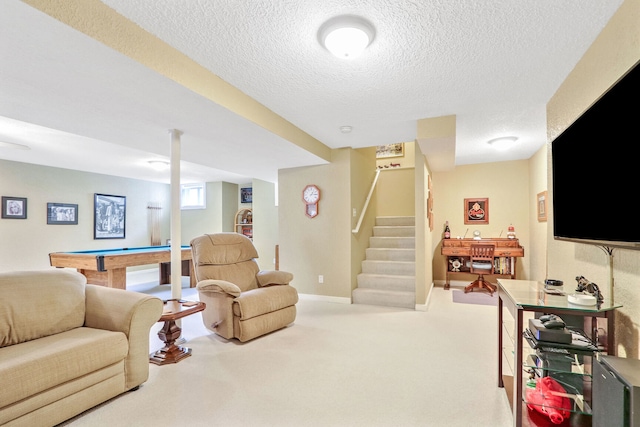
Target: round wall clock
x=310 y=197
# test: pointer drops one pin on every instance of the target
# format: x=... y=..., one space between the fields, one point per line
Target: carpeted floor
x=477 y=297
x=337 y=365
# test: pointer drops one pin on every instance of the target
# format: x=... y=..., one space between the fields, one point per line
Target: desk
x=109 y=267
x=173 y=310
x=459 y=249
x=519 y=296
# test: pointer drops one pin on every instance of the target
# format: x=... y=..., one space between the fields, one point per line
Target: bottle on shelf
x=511 y=232
x=447 y=230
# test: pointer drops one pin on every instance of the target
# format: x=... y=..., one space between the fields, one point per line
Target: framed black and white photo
x=246 y=195
x=109 y=216
x=62 y=214
x=14 y=207
x=390 y=150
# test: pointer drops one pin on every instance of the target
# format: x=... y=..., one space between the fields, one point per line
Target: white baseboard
x=453 y=283
x=324 y=298
x=424 y=307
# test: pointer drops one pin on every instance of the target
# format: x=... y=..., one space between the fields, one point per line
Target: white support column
x=176 y=238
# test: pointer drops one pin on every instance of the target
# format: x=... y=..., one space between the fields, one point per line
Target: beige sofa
x=242 y=301
x=66 y=346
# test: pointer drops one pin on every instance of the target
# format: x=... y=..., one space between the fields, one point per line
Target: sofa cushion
x=264 y=300
x=38 y=365
x=49 y=302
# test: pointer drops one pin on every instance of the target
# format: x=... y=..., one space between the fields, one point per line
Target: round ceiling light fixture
x=346 y=129
x=503 y=143
x=159 y=165
x=346 y=36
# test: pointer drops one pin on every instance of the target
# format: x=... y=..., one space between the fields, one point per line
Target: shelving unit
x=569 y=364
x=244 y=222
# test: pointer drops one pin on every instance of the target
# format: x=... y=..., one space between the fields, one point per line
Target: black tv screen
x=596 y=170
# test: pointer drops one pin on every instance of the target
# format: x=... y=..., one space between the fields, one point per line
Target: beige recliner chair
x=242 y=301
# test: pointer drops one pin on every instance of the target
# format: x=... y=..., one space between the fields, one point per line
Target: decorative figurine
x=585 y=286
x=455 y=264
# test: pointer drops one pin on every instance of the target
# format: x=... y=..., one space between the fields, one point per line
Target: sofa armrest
x=219 y=286
x=268 y=278
x=132 y=313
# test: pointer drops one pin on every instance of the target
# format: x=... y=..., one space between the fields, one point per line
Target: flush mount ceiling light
x=14 y=146
x=503 y=143
x=346 y=36
x=159 y=165
x=345 y=129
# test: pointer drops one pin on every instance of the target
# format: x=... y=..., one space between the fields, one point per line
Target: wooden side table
x=173 y=310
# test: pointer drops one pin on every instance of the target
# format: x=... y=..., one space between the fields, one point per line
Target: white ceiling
x=81 y=105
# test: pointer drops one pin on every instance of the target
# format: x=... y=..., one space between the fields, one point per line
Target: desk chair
x=481 y=263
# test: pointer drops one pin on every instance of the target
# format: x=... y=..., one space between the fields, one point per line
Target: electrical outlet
x=321 y=279
x=354 y=212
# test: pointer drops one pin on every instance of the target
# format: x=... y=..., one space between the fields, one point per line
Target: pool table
x=109 y=267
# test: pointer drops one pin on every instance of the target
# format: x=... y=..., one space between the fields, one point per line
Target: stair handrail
x=366 y=203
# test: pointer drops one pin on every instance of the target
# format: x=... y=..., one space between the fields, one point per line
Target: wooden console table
x=456 y=255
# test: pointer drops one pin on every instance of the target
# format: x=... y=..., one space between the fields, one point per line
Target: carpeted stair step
x=391 y=254
x=392 y=242
x=394 y=231
x=384 y=298
x=395 y=220
x=402 y=268
x=388 y=271
x=386 y=282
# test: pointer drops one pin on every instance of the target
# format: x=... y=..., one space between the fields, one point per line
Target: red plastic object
x=545 y=399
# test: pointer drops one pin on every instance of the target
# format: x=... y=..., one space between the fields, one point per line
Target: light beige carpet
x=337 y=365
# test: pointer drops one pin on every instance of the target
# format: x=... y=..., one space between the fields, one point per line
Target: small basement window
x=193 y=196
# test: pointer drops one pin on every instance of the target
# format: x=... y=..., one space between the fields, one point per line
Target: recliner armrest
x=219 y=286
x=268 y=278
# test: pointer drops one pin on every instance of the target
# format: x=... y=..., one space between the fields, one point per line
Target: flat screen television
x=596 y=170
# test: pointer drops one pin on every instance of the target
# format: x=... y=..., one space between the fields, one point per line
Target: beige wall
x=537 y=253
x=195 y=222
x=310 y=247
x=219 y=214
x=505 y=184
x=265 y=223
x=25 y=244
x=615 y=50
x=398 y=187
x=397 y=184
x=424 y=236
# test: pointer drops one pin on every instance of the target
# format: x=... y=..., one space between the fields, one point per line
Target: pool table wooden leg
x=115 y=278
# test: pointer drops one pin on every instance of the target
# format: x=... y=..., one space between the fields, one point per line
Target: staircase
x=388 y=275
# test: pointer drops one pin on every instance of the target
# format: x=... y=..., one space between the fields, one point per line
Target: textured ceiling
x=492 y=64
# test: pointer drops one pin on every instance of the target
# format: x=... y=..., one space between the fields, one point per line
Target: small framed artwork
x=476 y=211
x=246 y=195
x=541 y=200
x=110 y=213
x=14 y=207
x=390 y=150
x=62 y=214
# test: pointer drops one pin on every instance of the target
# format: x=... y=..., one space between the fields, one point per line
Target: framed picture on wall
x=476 y=211
x=246 y=195
x=14 y=207
x=110 y=213
x=62 y=214
x=390 y=150
x=541 y=200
